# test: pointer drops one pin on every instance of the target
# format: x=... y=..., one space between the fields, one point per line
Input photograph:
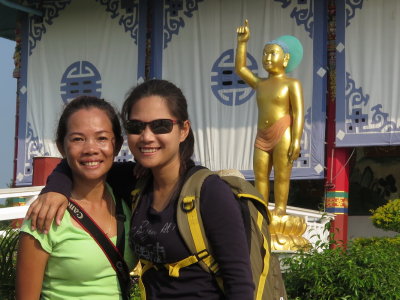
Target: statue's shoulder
x=293 y=81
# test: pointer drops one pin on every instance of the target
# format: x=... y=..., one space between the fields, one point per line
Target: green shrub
x=8 y=252
x=367 y=269
x=376 y=241
x=8 y=249
x=135 y=291
x=387 y=217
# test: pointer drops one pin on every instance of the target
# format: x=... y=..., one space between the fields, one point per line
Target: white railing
x=316 y=221
x=29 y=193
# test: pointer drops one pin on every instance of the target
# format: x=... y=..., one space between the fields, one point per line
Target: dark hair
x=177 y=105
x=86 y=102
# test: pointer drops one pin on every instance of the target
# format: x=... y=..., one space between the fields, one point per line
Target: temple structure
x=65 y=48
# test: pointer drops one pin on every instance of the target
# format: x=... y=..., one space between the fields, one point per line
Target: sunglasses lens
x=161 y=126
x=134 y=126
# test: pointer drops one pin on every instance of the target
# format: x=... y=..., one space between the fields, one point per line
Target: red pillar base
x=337 y=194
x=339 y=229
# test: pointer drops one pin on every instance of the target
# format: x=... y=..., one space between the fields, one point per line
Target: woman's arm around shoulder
x=53 y=200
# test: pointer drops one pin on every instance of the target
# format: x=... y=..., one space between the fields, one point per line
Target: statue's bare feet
x=278 y=212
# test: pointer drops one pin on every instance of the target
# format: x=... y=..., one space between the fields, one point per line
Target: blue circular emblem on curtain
x=228 y=87
x=80 y=78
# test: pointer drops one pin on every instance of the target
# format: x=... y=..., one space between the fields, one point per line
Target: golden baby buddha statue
x=280 y=127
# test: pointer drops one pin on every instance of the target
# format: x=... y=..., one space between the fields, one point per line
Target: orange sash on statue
x=266 y=139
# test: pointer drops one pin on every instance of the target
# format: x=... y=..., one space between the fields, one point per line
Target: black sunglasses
x=159 y=126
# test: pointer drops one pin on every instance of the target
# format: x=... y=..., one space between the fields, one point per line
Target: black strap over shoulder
x=112 y=253
x=120 y=216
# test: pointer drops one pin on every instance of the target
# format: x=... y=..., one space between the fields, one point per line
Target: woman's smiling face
x=89 y=144
x=156 y=151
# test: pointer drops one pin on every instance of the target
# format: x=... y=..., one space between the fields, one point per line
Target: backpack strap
x=245 y=191
x=174 y=268
x=190 y=223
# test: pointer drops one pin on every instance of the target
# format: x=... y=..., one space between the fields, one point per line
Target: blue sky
x=8 y=86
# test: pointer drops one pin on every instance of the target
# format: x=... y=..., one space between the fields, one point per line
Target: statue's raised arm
x=243 y=35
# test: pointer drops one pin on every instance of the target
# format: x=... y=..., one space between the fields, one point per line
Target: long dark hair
x=177 y=105
x=86 y=102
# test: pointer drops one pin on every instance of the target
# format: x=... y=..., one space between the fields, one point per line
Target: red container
x=42 y=168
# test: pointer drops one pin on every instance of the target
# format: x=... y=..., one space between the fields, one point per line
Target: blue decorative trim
x=80 y=78
x=172 y=21
x=191 y=6
x=111 y=6
x=34 y=147
x=315 y=118
x=129 y=20
x=305 y=17
x=303 y=13
x=337 y=210
x=157 y=40
x=351 y=6
x=357 y=120
x=226 y=85
x=37 y=27
x=22 y=108
x=285 y=3
x=142 y=41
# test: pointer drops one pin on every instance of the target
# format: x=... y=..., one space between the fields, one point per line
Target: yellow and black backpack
x=265 y=266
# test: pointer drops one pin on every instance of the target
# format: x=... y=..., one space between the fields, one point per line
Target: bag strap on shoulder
x=110 y=250
x=189 y=220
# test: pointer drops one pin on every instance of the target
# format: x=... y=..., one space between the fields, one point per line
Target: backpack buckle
x=187 y=204
x=202 y=254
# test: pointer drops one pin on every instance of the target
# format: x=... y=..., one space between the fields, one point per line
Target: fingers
x=42 y=214
x=243 y=29
x=45 y=208
x=60 y=212
x=46 y=221
x=33 y=212
x=292 y=157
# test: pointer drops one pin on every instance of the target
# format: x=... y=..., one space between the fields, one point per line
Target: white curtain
x=368 y=109
x=80 y=47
